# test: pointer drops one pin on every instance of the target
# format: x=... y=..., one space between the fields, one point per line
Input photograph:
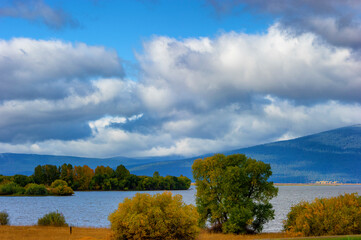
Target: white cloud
x=104 y=91
x=31 y=69
x=105 y=122
x=241 y=129
x=193 y=96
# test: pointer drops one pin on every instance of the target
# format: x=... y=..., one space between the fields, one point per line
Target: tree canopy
x=80 y=178
x=233 y=193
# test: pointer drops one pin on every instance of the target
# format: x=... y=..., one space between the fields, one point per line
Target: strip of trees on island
x=50 y=179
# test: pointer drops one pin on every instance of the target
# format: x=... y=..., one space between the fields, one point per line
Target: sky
x=136 y=78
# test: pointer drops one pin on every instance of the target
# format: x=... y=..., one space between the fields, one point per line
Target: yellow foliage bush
x=60 y=188
x=161 y=216
x=326 y=216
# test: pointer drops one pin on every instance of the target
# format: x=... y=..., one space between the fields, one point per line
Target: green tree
x=46 y=174
x=101 y=179
x=101 y=170
x=39 y=175
x=114 y=183
x=21 y=180
x=156 y=174
x=34 y=189
x=132 y=182
x=171 y=182
x=183 y=183
x=11 y=188
x=121 y=172
x=147 y=183
x=156 y=179
x=52 y=173
x=97 y=182
x=67 y=173
x=233 y=193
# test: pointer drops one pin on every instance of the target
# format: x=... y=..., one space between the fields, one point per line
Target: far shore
x=316 y=184
x=308 y=184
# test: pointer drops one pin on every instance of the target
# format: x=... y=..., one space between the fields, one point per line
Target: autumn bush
x=326 y=216
x=161 y=216
x=60 y=188
x=4 y=218
x=54 y=219
x=34 y=189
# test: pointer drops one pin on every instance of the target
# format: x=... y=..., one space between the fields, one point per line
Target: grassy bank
x=52 y=233
x=61 y=233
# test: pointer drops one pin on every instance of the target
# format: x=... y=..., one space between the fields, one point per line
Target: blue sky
x=124 y=25
x=152 y=78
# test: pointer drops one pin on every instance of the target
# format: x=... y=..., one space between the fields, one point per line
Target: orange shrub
x=326 y=216
x=161 y=216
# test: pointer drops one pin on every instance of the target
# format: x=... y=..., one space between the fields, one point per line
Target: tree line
x=81 y=178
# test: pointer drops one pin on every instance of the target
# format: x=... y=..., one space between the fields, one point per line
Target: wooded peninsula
x=64 y=180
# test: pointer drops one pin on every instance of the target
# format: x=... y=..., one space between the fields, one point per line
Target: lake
x=91 y=209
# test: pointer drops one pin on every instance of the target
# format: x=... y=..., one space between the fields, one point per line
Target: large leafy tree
x=82 y=177
x=46 y=174
x=233 y=193
x=67 y=173
x=101 y=170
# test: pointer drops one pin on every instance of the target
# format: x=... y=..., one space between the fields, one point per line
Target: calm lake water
x=92 y=208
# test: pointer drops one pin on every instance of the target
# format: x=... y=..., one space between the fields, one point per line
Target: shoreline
x=309 y=184
x=317 y=184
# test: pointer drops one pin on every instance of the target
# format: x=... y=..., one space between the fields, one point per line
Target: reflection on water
x=92 y=208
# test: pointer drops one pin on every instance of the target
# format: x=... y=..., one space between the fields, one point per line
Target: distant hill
x=332 y=155
x=13 y=163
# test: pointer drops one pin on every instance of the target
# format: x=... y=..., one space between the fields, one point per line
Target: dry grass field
x=61 y=233
x=52 y=233
x=219 y=236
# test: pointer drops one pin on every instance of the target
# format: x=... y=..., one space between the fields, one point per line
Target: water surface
x=91 y=209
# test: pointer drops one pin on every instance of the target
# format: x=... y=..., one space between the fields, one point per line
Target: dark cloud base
x=64 y=131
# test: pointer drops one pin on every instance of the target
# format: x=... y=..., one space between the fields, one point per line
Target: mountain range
x=333 y=155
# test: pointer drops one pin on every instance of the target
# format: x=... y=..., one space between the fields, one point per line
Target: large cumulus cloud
x=211 y=72
x=238 y=90
x=192 y=96
x=32 y=69
x=51 y=89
